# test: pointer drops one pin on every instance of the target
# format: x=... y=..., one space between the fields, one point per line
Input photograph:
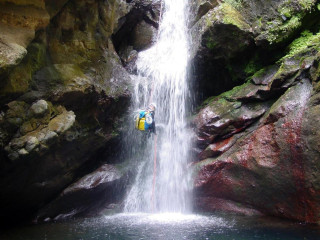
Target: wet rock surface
x=95 y=191
x=268 y=162
x=63 y=95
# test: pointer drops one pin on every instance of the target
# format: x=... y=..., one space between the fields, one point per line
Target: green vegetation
x=21 y=76
x=291 y=19
x=306 y=4
x=234 y=3
x=307 y=39
x=279 y=31
x=285 y=11
x=251 y=67
x=211 y=44
x=232 y=16
x=233 y=75
x=208 y=101
x=262 y=72
x=225 y=97
x=229 y=94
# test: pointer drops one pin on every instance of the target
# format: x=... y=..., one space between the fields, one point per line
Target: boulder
x=144 y=36
x=39 y=108
x=34 y=135
x=271 y=165
x=104 y=186
x=223 y=117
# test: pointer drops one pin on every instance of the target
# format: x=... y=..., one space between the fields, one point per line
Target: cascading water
x=162 y=79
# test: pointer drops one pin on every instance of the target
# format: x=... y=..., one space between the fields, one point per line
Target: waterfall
x=162 y=79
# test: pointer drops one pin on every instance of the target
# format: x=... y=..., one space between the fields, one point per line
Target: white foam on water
x=167 y=219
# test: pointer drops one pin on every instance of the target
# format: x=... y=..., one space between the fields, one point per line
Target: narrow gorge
x=236 y=88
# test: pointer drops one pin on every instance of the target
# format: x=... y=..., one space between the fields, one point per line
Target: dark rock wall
x=63 y=96
x=256 y=146
x=233 y=39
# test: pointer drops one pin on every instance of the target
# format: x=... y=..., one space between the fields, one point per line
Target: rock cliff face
x=257 y=144
x=63 y=95
x=233 y=39
x=65 y=88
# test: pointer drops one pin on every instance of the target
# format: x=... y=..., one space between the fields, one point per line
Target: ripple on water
x=166 y=226
x=171 y=219
x=160 y=226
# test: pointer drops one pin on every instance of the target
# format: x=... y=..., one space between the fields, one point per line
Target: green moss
x=225 y=97
x=259 y=22
x=69 y=72
x=280 y=29
x=21 y=76
x=209 y=100
x=278 y=32
x=260 y=73
x=306 y=39
x=251 y=67
x=306 y=4
x=211 y=44
x=232 y=92
x=285 y=11
x=233 y=75
x=232 y=16
x=317 y=87
x=237 y=4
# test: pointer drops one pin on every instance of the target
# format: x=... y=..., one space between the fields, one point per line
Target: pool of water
x=166 y=226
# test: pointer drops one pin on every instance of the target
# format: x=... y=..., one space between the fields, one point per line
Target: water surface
x=142 y=226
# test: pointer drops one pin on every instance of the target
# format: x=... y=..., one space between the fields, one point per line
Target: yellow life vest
x=140 y=123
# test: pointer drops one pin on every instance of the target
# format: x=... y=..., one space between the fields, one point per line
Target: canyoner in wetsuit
x=145 y=120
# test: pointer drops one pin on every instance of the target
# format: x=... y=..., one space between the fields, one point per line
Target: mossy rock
x=224 y=31
x=315 y=69
x=20 y=77
x=264 y=75
x=306 y=41
x=230 y=15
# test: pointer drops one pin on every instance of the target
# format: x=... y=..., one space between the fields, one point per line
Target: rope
x=154 y=171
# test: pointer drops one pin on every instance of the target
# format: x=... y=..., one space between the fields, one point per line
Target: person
x=145 y=120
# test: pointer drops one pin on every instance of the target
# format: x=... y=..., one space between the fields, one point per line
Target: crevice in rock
x=137 y=32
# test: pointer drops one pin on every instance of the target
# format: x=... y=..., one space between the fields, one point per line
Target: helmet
x=152 y=107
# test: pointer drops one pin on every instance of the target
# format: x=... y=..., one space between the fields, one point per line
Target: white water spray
x=162 y=72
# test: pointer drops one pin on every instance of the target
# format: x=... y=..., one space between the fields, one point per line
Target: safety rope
x=154 y=171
